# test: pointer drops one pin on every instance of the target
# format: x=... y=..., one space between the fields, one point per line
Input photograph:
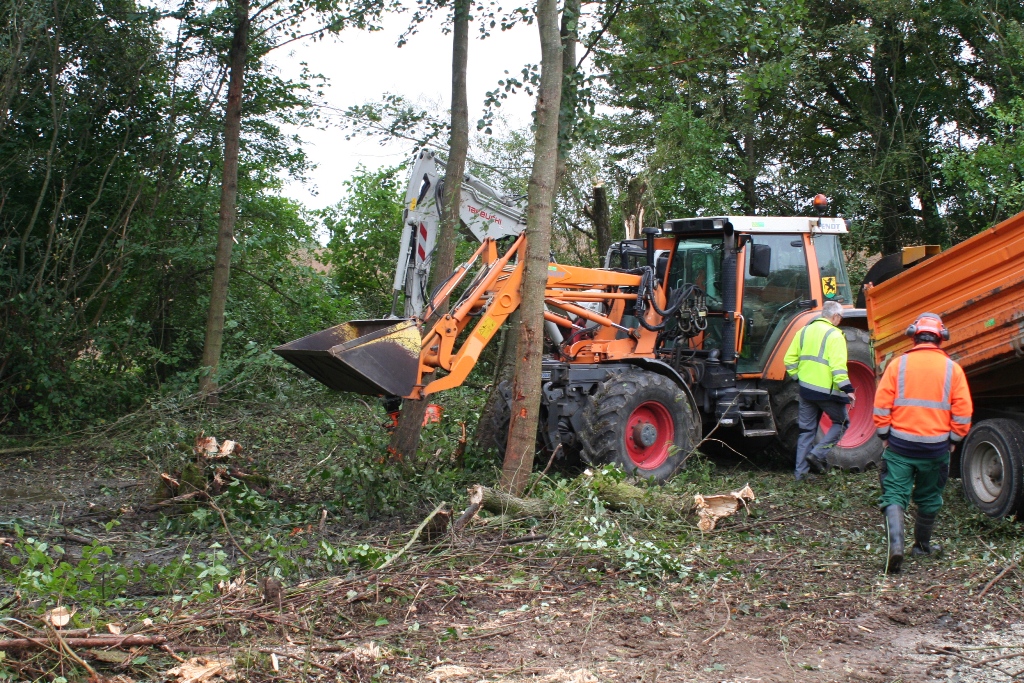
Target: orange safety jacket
x=923 y=403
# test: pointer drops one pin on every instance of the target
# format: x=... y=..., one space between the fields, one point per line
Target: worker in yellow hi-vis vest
x=817 y=360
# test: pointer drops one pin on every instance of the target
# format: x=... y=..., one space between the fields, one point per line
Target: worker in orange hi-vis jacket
x=922 y=410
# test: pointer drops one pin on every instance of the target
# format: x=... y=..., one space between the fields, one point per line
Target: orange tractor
x=688 y=331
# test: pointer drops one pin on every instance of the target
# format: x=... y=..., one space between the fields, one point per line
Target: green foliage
x=365 y=230
x=990 y=178
x=46 y=571
x=110 y=186
x=903 y=113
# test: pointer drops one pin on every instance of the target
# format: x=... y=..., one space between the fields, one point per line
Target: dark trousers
x=810 y=416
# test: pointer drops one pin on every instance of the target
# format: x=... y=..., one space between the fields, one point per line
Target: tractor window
x=769 y=303
x=698 y=261
x=835 y=283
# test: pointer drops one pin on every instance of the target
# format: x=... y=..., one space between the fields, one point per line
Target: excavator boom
x=483 y=210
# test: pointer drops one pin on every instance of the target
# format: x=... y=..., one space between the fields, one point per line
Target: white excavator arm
x=483 y=210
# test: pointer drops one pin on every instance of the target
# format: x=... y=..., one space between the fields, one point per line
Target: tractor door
x=698 y=261
x=771 y=302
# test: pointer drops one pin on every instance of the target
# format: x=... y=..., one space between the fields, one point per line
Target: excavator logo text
x=494 y=218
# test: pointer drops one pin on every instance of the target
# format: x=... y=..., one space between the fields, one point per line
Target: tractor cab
x=758 y=274
x=762 y=279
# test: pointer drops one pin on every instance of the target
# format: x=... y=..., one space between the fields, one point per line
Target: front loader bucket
x=370 y=357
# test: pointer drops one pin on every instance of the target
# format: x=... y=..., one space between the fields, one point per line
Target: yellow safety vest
x=817 y=358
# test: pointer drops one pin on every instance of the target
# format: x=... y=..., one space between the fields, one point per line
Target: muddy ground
x=791 y=593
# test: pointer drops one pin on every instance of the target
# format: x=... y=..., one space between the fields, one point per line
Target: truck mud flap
x=371 y=357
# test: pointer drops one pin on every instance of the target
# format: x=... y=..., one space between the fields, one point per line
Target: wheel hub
x=986 y=472
x=861 y=427
x=645 y=434
x=649 y=434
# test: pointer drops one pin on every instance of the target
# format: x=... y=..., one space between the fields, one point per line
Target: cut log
x=619 y=495
x=501 y=503
x=14 y=644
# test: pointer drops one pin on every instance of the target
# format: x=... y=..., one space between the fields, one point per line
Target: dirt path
x=794 y=595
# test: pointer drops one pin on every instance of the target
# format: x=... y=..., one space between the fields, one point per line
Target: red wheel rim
x=650 y=433
x=862 y=426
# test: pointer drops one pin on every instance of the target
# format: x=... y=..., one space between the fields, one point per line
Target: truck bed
x=978 y=289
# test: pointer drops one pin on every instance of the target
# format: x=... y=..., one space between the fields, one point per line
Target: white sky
x=362 y=66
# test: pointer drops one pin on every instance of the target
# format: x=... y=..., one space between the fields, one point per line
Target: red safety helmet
x=928 y=322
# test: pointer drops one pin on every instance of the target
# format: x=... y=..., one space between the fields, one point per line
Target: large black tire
x=992 y=467
x=860 y=448
x=497 y=437
x=641 y=421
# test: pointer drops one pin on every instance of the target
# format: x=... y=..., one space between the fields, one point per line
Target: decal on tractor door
x=829 y=287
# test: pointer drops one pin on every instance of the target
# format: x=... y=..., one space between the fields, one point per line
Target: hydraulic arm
x=393 y=356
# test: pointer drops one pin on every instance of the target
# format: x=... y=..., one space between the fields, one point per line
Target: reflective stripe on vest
x=901 y=390
x=820 y=358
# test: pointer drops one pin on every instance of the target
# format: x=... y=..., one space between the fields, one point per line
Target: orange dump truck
x=978 y=289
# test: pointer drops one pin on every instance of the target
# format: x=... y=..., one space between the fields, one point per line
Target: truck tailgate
x=978 y=289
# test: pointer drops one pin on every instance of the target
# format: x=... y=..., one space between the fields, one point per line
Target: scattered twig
x=174 y=501
x=169 y=650
x=554 y=454
x=728 y=618
x=71 y=653
x=522 y=539
x=25 y=449
x=998 y=658
x=297 y=658
x=415 y=535
x=414 y=598
x=590 y=624
x=227 y=528
x=1006 y=570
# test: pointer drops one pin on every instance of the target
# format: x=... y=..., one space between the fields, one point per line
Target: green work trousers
x=920 y=479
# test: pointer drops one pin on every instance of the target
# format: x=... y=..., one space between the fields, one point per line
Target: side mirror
x=760 y=260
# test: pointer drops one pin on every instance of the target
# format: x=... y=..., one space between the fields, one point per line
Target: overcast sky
x=362 y=66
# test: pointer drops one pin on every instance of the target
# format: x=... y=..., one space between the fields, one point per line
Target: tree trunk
x=487 y=426
x=526 y=385
x=228 y=200
x=599 y=213
x=406 y=437
x=569 y=33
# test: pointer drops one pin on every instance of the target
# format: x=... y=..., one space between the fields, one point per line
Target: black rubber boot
x=923 y=545
x=894 y=530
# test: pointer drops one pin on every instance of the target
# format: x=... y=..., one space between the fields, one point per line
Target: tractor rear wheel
x=641 y=421
x=859 y=448
x=992 y=467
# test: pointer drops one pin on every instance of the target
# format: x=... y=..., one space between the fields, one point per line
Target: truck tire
x=860 y=448
x=992 y=467
x=641 y=421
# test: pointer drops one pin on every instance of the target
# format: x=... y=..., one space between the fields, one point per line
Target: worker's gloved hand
x=853 y=398
x=952 y=446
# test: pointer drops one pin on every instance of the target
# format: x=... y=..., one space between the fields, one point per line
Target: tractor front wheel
x=641 y=421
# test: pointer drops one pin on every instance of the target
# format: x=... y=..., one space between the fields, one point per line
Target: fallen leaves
x=199 y=669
